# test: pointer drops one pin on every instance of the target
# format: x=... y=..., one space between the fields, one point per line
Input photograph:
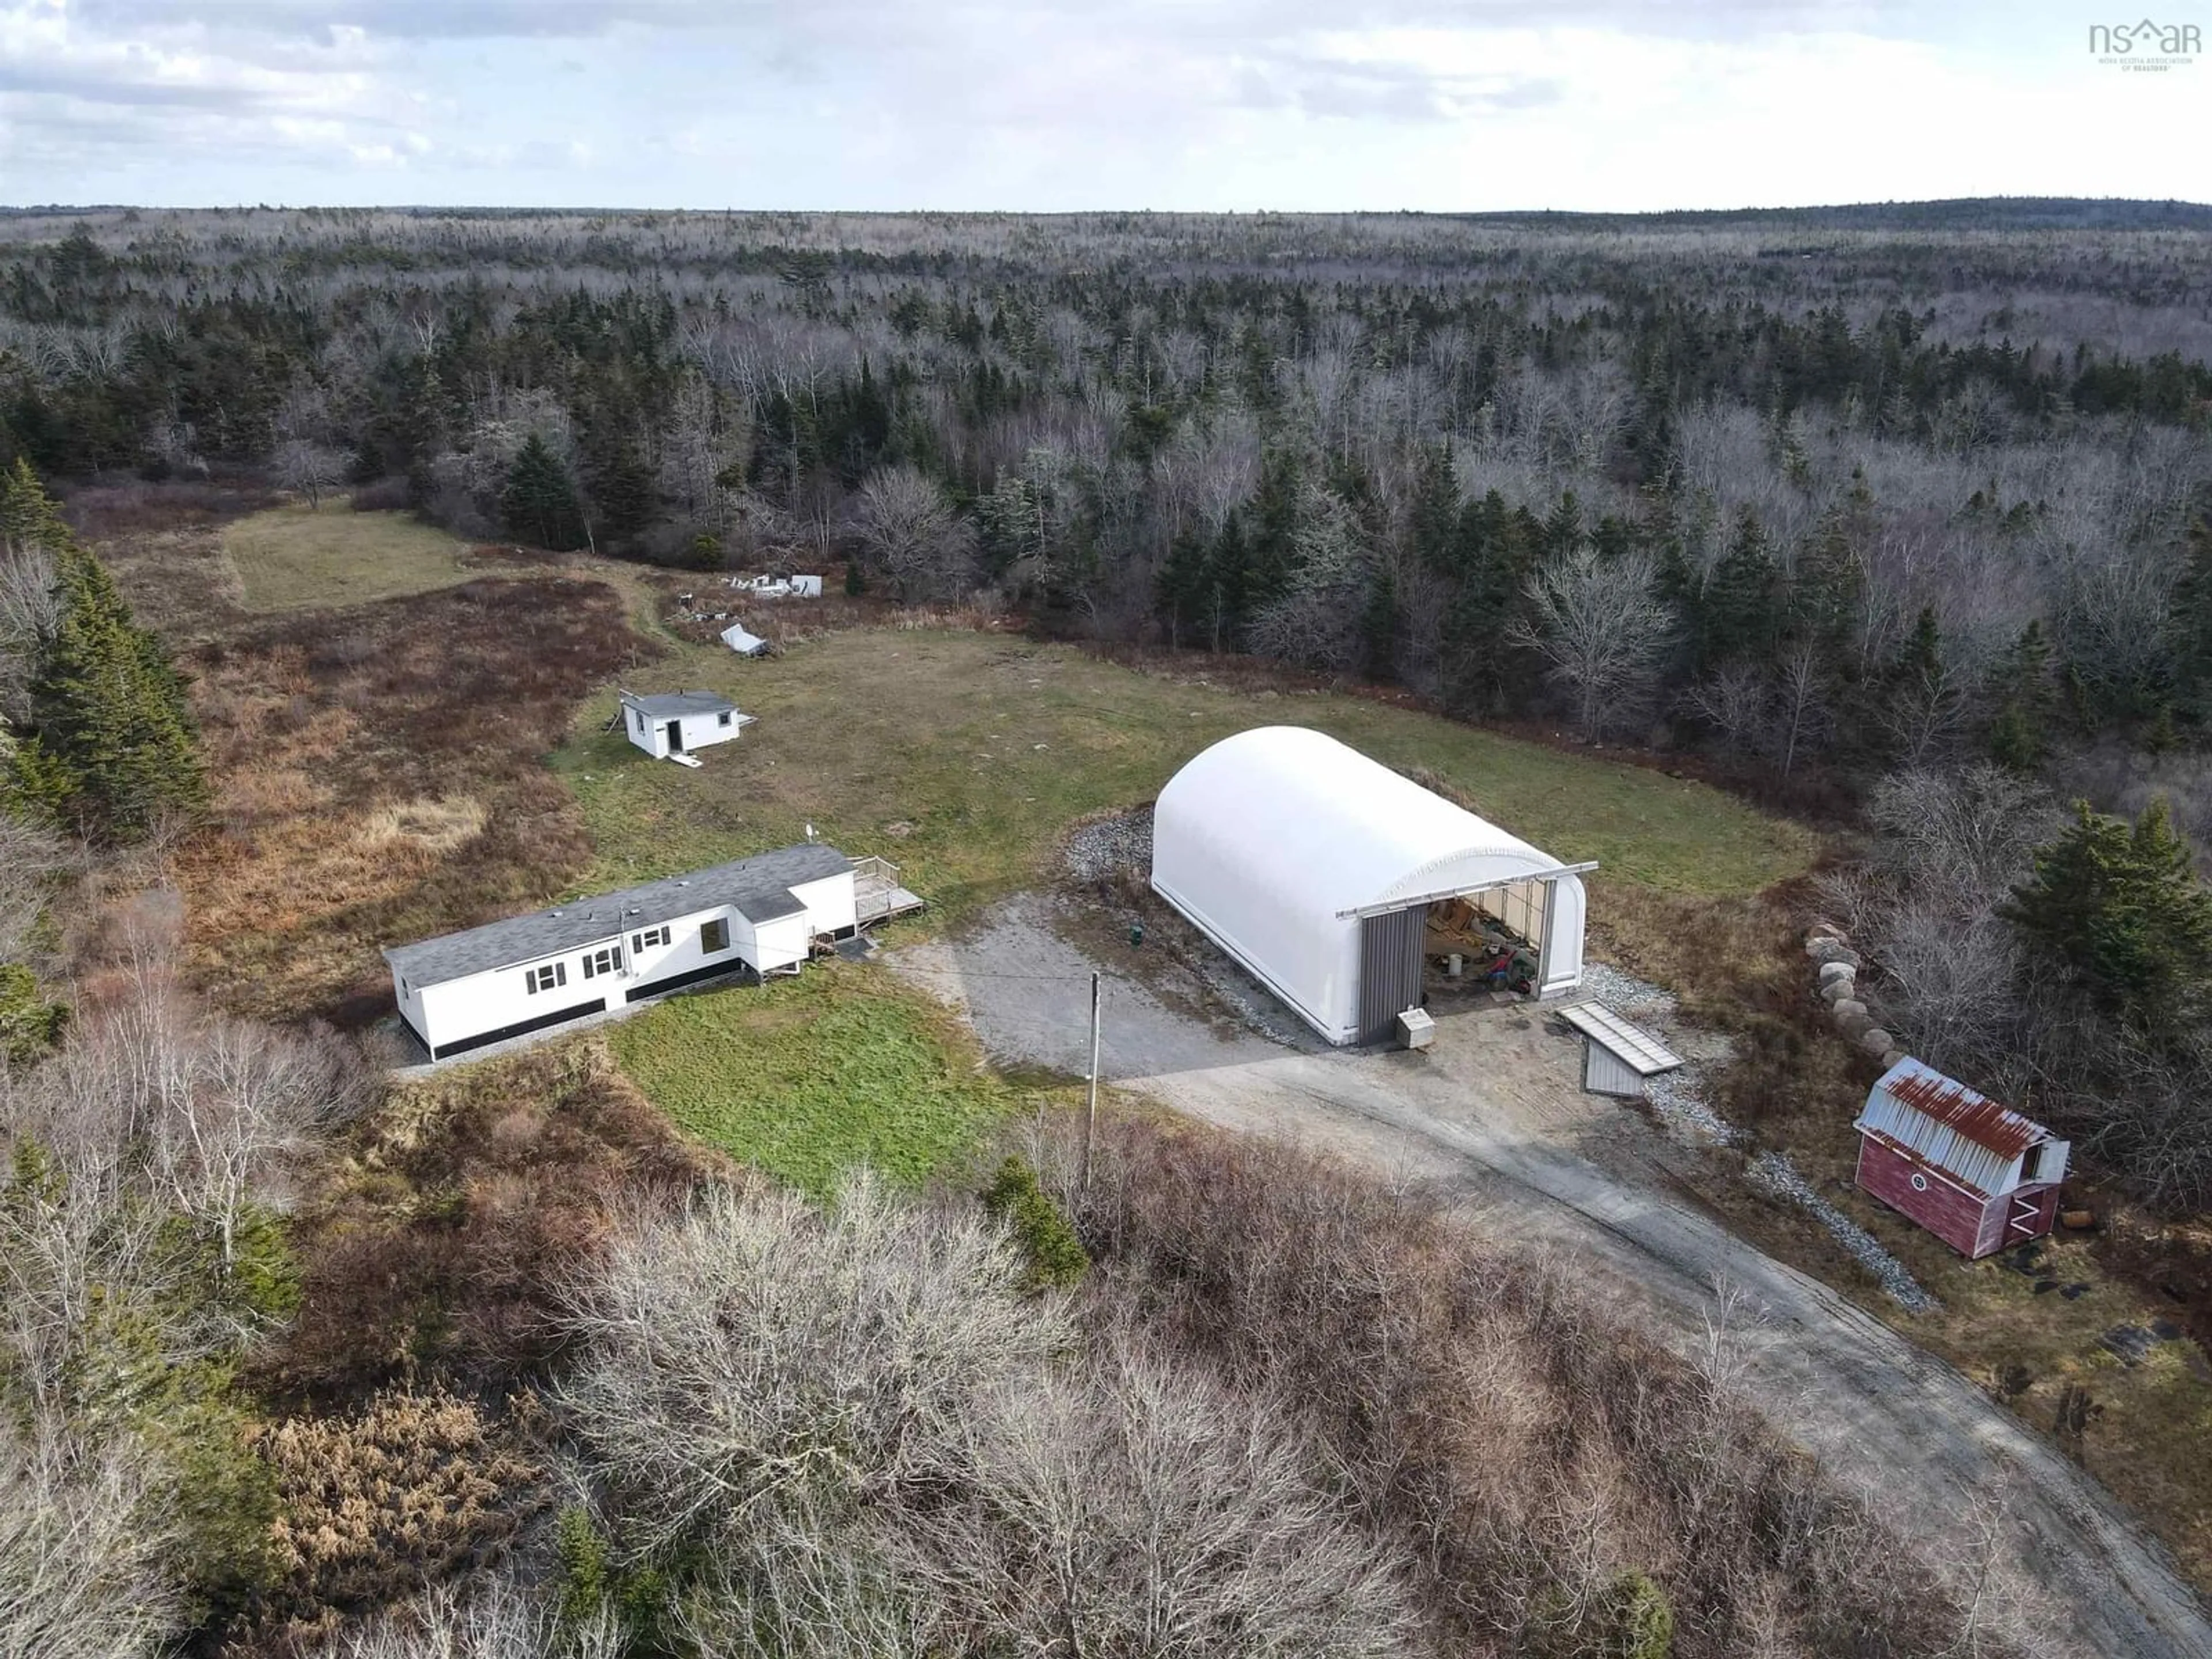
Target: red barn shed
x=1977 y=1175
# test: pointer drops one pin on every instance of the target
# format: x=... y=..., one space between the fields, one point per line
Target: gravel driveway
x=1495 y=1114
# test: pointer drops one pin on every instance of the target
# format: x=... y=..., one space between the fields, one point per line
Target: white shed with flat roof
x=669 y=723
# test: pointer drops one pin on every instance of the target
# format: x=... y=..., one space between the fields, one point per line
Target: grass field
x=291 y=558
x=964 y=757
x=808 y=1078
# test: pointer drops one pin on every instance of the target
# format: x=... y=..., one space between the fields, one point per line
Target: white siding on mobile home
x=508 y=978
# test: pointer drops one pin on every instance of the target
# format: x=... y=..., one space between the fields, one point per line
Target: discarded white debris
x=777 y=587
x=744 y=643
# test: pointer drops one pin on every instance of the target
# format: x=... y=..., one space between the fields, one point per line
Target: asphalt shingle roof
x=758 y=889
x=668 y=705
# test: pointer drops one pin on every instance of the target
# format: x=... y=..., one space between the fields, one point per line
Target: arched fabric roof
x=1271 y=839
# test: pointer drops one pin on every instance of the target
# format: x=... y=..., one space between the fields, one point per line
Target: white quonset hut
x=677 y=722
x=508 y=978
x=1315 y=867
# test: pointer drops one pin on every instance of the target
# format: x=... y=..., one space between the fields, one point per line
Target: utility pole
x=1090 y=1110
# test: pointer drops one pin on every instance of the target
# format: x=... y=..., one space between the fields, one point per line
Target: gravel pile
x=1626 y=995
x=1679 y=1099
x=1112 y=847
x=1777 y=1176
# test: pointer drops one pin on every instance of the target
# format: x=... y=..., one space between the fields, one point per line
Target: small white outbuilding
x=1315 y=867
x=676 y=723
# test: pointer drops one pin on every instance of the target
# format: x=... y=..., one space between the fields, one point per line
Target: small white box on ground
x=1415 y=1029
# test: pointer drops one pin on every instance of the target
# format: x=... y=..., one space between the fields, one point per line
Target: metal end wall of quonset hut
x=1976 y=1174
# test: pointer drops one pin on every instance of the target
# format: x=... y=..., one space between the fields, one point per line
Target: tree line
x=1647 y=475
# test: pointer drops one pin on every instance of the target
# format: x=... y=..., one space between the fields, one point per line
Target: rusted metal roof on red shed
x=1956 y=1128
x=1973 y=1115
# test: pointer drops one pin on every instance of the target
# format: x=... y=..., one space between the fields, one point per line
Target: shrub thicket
x=1049 y=1243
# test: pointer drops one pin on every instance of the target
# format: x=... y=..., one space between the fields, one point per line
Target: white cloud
x=1432 y=104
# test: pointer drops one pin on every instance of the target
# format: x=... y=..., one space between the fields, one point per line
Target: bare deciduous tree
x=82 y=1573
x=1135 y=1509
x=1961 y=837
x=703 y=441
x=1600 y=627
x=912 y=535
x=1316 y=621
x=30 y=612
x=745 y=1353
x=237 y=1100
x=491 y=1617
x=309 y=469
x=30 y=859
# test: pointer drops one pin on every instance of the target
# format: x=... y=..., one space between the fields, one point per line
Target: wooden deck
x=877 y=894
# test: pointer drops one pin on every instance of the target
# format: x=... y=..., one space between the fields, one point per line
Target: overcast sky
x=1198 y=104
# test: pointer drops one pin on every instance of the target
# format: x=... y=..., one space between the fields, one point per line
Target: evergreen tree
x=1378 y=626
x=2189 y=627
x=111 y=744
x=1563 y=527
x=1432 y=520
x=539 y=503
x=622 y=492
x=1271 y=530
x=2121 y=907
x=2018 y=735
x=27 y=514
x=1827 y=585
x=1919 y=660
x=1493 y=553
x=1739 y=613
x=1179 y=591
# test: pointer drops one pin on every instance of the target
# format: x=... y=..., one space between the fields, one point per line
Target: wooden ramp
x=877 y=894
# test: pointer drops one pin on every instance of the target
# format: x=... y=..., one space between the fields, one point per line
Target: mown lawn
x=808 y=1078
x=964 y=757
x=293 y=558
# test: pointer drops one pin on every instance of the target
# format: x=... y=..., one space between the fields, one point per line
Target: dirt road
x=1494 y=1113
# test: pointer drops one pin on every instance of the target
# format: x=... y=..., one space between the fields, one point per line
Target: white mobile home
x=507 y=978
x=677 y=722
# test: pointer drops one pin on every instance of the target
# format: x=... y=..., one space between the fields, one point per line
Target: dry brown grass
x=435 y=1240
x=377 y=779
x=413 y=1487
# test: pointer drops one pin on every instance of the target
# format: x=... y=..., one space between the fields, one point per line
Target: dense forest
x=1830 y=495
